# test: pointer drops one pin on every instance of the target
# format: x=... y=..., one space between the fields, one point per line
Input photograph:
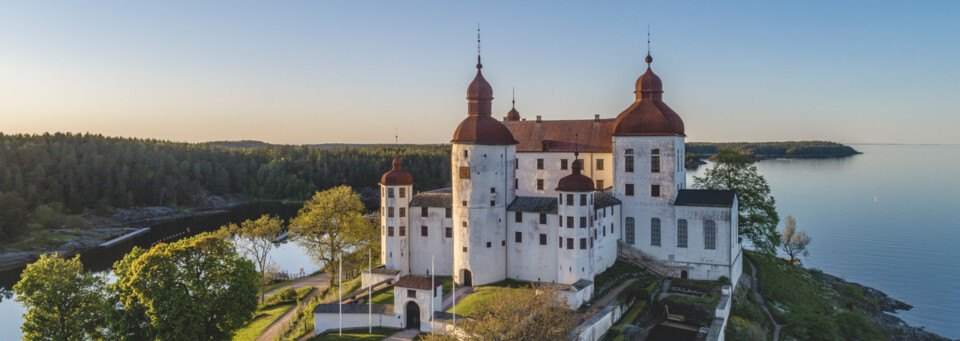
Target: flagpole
x=370 y=292
x=454 y=295
x=340 y=290
x=433 y=290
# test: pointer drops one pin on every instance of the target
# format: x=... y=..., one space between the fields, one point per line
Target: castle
x=559 y=201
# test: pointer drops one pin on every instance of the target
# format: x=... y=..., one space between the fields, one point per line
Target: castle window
x=599 y=164
x=403 y=192
x=611 y=227
x=403 y=231
x=583 y=243
x=655 y=191
x=449 y=232
x=465 y=172
x=489 y=245
x=583 y=222
x=569 y=199
x=600 y=185
x=464 y=224
x=604 y=230
x=516 y=183
x=655 y=163
x=628 y=161
x=569 y=222
x=563 y=164
x=655 y=231
x=583 y=200
x=493 y=190
x=518 y=236
x=423 y=211
x=539 y=184
x=518 y=217
x=516 y=163
x=628 y=189
x=389 y=192
x=464 y=203
x=628 y=233
x=561 y=242
x=543 y=239
x=403 y=212
x=423 y=231
x=682 y=233
x=464 y=249
x=448 y=212
x=411 y=293
x=390 y=212
x=465 y=154
x=493 y=203
x=561 y=221
x=569 y=243
x=543 y=218
x=539 y=163
x=389 y=231
x=559 y=199
x=709 y=235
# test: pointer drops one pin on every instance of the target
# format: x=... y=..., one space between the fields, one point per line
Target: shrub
x=284 y=295
x=741 y=329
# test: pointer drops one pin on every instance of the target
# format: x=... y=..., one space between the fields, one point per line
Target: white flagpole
x=340 y=290
x=370 y=292
x=454 y=295
x=433 y=290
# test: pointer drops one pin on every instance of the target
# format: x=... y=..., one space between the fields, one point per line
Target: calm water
x=889 y=219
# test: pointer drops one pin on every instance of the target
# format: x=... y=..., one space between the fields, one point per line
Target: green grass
x=379 y=333
x=383 y=296
x=484 y=293
x=262 y=319
x=277 y=285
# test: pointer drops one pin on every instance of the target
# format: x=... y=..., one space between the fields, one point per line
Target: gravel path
x=319 y=282
x=756 y=284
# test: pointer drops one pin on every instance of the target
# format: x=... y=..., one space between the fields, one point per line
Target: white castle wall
x=423 y=300
x=708 y=264
x=606 y=245
x=527 y=174
x=395 y=251
x=434 y=246
x=479 y=209
x=528 y=260
x=575 y=263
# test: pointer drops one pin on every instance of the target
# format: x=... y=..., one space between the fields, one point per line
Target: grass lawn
x=379 y=333
x=484 y=293
x=383 y=296
x=276 y=285
x=262 y=319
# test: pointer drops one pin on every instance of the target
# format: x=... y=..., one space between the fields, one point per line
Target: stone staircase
x=643 y=260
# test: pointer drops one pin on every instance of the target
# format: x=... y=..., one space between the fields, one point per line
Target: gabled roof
x=705 y=197
x=417 y=282
x=602 y=199
x=588 y=136
x=546 y=205
x=436 y=198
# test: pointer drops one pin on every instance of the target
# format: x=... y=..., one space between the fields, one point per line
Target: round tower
x=648 y=155
x=483 y=158
x=396 y=190
x=575 y=210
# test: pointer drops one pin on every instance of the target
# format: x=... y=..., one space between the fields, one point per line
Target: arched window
x=655 y=231
x=709 y=235
x=628 y=232
x=682 y=233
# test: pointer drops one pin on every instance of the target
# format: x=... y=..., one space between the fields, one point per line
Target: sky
x=302 y=72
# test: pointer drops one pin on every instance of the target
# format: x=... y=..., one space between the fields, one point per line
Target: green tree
x=794 y=241
x=758 y=217
x=254 y=239
x=194 y=289
x=330 y=225
x=63 y=301
x=13 y=216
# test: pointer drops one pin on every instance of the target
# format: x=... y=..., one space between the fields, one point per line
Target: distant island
x=773 y=150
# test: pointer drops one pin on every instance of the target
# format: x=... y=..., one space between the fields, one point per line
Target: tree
x=794 y=242
x=13 y=215
x=194 y=289
x=63 y=301
x=254 y=239
x=517 y=314
x=757 y=217
x=331 y=224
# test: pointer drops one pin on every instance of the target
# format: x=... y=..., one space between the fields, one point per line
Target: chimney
x=538 y=119
x=596 y=117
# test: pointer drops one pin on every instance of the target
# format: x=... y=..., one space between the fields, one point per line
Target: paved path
x=319 y=282
x=406 y=335
x=756 y=294
x=610 y=296
x=462 y=292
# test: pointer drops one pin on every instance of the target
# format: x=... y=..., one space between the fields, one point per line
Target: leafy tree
x=254 y=239
x=13 y=215
x=794 y=242
x=517 y=314
x=63 y=301
x=194 y=289
x=758 y=217
x=330 y=225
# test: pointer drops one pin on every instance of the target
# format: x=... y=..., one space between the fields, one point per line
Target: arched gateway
x=413 y=315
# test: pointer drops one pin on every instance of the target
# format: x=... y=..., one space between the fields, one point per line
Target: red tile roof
x=417 y=282
x=396 y=176
x=588 y=136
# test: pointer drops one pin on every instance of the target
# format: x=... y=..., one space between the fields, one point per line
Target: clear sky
x=356 y=71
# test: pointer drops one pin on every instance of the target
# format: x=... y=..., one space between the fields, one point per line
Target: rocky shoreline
x=121 y=222
x=894 y=326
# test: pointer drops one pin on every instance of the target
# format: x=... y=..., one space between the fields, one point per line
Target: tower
x=575 y=210
x=396 y=189
x=483 y=158
x=648 y=149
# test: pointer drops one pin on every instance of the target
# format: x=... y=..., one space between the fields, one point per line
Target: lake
x=889 y=219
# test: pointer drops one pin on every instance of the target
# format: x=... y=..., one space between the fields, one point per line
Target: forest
x=47 y=179
x=767 y=150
